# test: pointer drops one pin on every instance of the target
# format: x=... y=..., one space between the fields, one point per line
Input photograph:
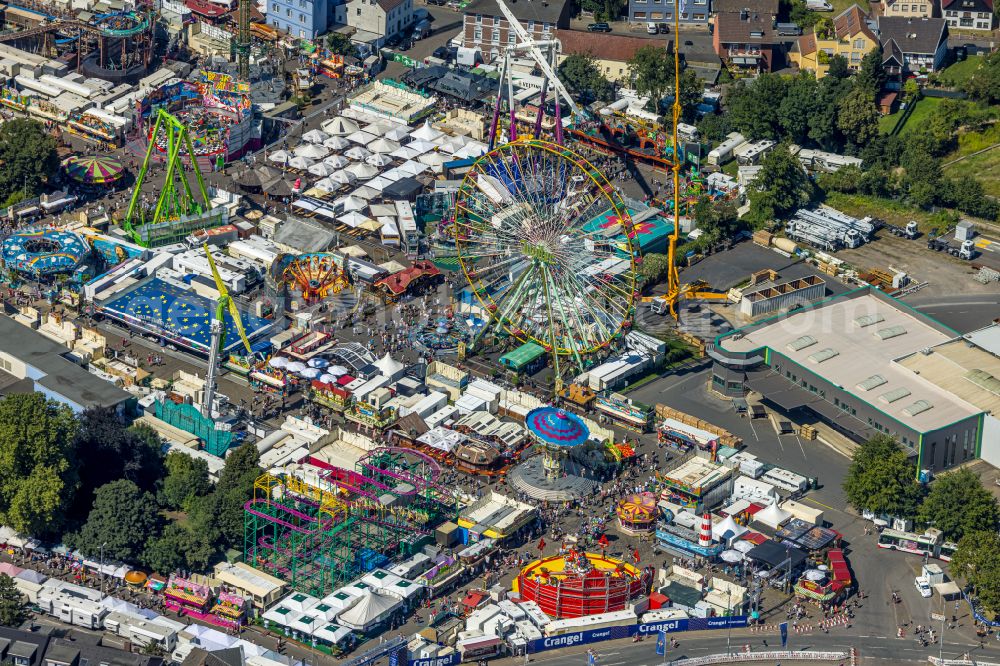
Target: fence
x=776 y=656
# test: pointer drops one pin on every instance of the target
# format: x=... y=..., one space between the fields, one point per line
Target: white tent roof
x=340 y=126
x=382 y=145
x=726 y=529
x=321 y=169
x=378 y=160
x=405 y=153
x=421 y=146
x=300 y=163
x=357 y=153
x=380 y=126
x=772 y=515
x=315 y=136
x=471 y=149
x=336 y=161
x=343 y=177
x=392 y=175
x=354 y=219
x=398 y=133
x=279 y=156
x=351 y=203
x=364 y=138
x=426 y=132
x=369 y=610
x=388 y=365
x=378 y=184
x=336 y=143
x=327 y=185
x=433 y=160
x=412 y=168
x=312 y=151
x=362 y=171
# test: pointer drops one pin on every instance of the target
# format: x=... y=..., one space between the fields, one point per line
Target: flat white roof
x=858 y=329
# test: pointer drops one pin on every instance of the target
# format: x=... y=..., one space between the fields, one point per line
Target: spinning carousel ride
x=315 y=276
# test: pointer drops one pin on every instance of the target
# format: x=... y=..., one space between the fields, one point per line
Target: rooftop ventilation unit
x=798 y=344
x=823 y=355
x=892 y=396
x=890 y=332
x=868 y=320
x=872 y=382
x=919 y=407
x=984 y=380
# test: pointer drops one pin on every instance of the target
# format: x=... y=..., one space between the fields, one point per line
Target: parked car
x=662 y=28
x=445 y=53
x=599 y=27
x=406 y=45
x=923 y=586
x=650 y=28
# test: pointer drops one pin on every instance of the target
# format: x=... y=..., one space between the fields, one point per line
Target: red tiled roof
x=399 y=282
x=345 y=380
x=851 y=22
x=617 y=48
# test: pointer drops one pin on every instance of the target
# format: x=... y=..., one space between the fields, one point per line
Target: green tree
x=109 y=451
x=858 y=116
x=202 y=524
x=797 y=107
x=977 y=563
x=754 y=108
x=871 y=75
x=882 y=479
x=234 y=488
x=714 y=127
x=653 y=268
x=718 y=219
x=580 y=73
x=958 y=504
x=911 y=91
x=845 y=179
x=186 y=479
x=37 y=467
x=165 y=553
x=652 y=71
x=340 y=44
x=11 y=603
x=124 y=517
x=837 y=67
x=780 y=188
x=28 y=156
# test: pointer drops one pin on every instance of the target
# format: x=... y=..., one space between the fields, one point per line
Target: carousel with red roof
x=576 y=584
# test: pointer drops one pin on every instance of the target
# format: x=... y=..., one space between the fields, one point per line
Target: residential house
x=693 y=12
x=611 y=54
x=968 y=14
x=375 y=21
x=851 y=35
x=911 y=46
x=747 y=42
x=485 y=28
x=909 y=8
x=306 y=19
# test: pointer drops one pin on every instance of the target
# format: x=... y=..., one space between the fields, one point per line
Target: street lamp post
x=729 y=620
x=102 y=566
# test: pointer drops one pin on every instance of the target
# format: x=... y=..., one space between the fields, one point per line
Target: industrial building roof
x=961 y=369
x=869 y=334
x=59 y=376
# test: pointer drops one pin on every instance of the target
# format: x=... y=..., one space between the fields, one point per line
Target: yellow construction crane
x=218 y=330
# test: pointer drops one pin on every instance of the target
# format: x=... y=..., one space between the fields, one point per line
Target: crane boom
x=536 y=55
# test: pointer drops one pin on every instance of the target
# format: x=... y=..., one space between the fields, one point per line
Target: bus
x=929 y=543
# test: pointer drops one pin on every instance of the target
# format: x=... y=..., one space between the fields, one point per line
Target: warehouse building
x=857 y=361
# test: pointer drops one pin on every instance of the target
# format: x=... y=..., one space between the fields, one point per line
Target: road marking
x=814 y=501
x=801 y=448
x=754 y=431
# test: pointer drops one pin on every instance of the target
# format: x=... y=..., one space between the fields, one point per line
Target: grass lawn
x=958 y=73
x=916 y=120
x=985 y=167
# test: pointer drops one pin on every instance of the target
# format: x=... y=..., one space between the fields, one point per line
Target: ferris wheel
x=546 y=243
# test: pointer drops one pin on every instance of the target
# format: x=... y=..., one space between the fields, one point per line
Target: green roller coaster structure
x=178 y=211
x=320 y=538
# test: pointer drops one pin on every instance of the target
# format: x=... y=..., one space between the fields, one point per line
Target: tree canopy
x=984 y=84
x=580 y=73
x=781 y=187
x=652 y=71
x=186 y=479
x=977 y=562
x=653 y=268
x=37 y=466
x=124 y=517
x=882 y=479
x=235 y=486
x=29 y=159
x=11 y=603
x=958 y=504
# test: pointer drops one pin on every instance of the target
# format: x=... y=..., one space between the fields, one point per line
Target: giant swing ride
x=178 y=210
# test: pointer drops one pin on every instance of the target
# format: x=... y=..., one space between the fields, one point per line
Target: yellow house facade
x=849 y=35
